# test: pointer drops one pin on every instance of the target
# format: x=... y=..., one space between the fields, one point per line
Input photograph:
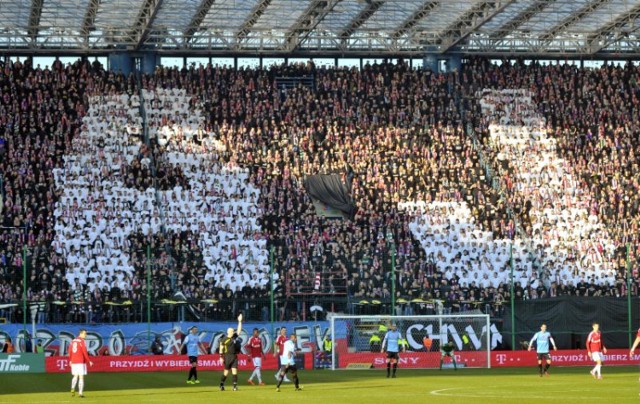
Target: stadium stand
x=205 y=165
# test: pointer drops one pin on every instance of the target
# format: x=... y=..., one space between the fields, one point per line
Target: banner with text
x=136 y=339
x=168 y=363
x=576 y=357
x=21 y=363
x=617 y=357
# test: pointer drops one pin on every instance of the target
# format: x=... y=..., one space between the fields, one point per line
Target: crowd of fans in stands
x=228 y=151
x=587 y=117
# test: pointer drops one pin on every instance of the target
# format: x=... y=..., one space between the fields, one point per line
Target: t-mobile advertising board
x=617 y=357
x=157 y=363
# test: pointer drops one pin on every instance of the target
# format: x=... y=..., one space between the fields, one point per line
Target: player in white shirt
x=287 y=359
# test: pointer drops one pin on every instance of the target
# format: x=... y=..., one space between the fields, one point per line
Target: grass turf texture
x=516 y=385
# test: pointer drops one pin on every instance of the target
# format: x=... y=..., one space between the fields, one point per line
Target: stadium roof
x=341 y=27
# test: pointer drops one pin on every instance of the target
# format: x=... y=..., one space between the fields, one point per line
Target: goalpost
x=357 y=340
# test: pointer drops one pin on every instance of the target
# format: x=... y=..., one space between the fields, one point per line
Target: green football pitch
x=516 y=385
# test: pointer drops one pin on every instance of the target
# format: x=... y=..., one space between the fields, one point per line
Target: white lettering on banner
x=21 y=341
x=167 y=363
x=118 y=342
x=3 y=337
x=501 y=358
x=307 y=336
x=134 y=364
x=569 y=358
x=215 y=341
x=412 y=342
x=473 y=338
x=404 y=360
x=209 y=363
x=6 y=363
x=495 y=335
x=304 y=337
x=93 y=342
x=267 y=340
x=65 y=341
x=317 y=331
x=62 y=364
x=450 y=330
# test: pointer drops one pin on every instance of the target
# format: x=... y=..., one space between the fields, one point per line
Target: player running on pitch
x=288 y=361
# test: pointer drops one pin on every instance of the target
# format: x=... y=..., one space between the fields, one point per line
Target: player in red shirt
x=255 y=351
x=635 y=343
x=279 y=348
x=595 y=349
x=78 y=358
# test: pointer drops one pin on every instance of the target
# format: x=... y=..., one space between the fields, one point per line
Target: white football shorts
x=78 y=369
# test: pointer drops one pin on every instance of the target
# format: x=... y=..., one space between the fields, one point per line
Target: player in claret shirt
x=595 y=349
x=78 y=358
x=255 y=351
x=277 y=352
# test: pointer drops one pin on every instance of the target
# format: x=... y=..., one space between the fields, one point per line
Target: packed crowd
x=41 y=115
x=584 y=120
x=219 y=182
x=558 y=216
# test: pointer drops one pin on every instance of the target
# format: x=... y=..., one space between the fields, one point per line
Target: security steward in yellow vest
x=375 y=343
x=327 y=345
x=403 y=344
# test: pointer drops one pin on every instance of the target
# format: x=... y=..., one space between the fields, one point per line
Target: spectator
x=157 y=347
x=8 y=346
x=39 y=348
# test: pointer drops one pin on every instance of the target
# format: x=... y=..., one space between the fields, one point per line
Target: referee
x=230 y=347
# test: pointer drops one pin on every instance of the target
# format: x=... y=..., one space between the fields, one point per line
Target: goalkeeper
x=448 y=349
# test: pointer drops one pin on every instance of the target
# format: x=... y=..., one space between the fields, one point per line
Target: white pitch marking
x=442 y=392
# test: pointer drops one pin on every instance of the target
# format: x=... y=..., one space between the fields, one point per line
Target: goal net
x=357 y=341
